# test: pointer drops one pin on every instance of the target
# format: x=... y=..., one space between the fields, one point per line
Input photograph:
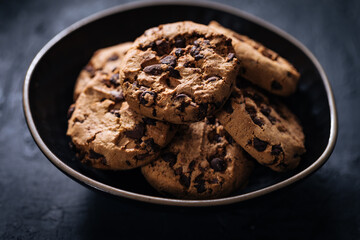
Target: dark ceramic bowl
x=51 y=76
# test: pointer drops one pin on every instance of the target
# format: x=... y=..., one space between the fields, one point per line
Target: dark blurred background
x=37 y=201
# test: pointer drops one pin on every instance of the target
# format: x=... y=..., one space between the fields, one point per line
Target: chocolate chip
x=150 y=143
x=212 y=79
x=137 y=132
x=103 y=161
x=115 y=112
x=229 y=138
x=149 y=121
x=228 y=108
x=276 y=150
x=198 y=57
x=178 y=171
x=95 y=155
x=118 y=96
x=192 y=165
x=114 y=78
x=189 y=65
x=169 y=157
x=250 y=110
x=181 y=96
x=147 y=98
x=210 y=120
x=141 y=156
x=258 y=121
x=179 y=52
x=180 y=42
x=259 y=145
x=173 y=73
x=155 y=69
x=200 y=186
x=276 y=85
x=265 y=111
x=128 y=163
x=70 y=110
x=202 y=112
x=161 y=46
x=194 y=51
x=230 y=57
x=154 y=112
x=214 y=137
x=113 y=58
x=198 y=178
x=218 y=164
x=184 y=180
x=169 y=60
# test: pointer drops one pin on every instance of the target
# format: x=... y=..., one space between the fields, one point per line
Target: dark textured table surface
x=37 y=201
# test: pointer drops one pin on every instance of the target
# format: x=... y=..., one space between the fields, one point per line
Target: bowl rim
x=162 y=200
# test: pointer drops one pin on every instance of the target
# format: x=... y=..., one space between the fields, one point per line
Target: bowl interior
x=53 y=78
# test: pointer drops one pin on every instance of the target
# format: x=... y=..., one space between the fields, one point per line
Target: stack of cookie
x=175 y=103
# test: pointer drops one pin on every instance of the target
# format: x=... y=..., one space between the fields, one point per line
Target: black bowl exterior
x=49 y=83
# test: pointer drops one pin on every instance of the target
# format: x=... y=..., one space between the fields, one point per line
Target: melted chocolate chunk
x=276 y=150
x=169 y=60
x=276 y=85
x=170 y=158
x=154 y=69
x=137 y=132
x=184 y=180
x=70 y=110
x=218 y=164
x=260 y=145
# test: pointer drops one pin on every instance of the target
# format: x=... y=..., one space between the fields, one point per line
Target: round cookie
x=267 y=130
x=202 y=162
x=105 y=59
x=179 y=72
x=261 y=65
x=108 y=134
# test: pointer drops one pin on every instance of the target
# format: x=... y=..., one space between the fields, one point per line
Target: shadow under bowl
x=50 y=80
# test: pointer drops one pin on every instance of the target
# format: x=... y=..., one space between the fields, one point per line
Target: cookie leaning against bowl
x=202 y=162
x=105 y=59
x=268 y=131
x=179 y=72
x=108 y=134
x=261 y=65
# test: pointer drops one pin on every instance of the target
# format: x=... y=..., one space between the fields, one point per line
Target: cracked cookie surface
x=266 y=129
x=105 y=59
x=261 y=65
x=107 y=133
x=202 y=162
x=179 y=72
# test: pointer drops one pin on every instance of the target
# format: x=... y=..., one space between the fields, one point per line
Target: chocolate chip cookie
x=105 y=59
x=107 y=133
x=266 y=129
x=179 y=72
x=202 y=162
x=261 y=65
